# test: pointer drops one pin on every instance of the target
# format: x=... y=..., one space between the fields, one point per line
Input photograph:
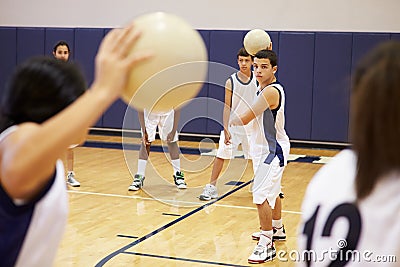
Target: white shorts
x=164 y=122
x=227 y=151
x=268 y=177
x=267 y=182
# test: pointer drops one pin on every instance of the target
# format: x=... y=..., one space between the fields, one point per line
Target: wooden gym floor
x=162 y=225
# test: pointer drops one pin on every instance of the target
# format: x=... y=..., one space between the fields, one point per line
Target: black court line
x=128 y=236
x=143 y=238
x=235 y=183
x=184 y=259
x=171 y=214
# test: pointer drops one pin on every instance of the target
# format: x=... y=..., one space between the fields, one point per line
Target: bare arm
x=227 y=110
x=29 y=154
x=228 y=104
x=268 y=99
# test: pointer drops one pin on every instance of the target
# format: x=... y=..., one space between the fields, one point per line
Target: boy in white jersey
x=270 y=150
x=240 y=91
x=39 y=120
x=352 y=205
x=167 y=123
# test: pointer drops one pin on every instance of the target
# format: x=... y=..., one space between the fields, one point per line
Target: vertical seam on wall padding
x=312 y=89
x=350 y=86
x=44 y=40
x=208 y=78
x=16 y=46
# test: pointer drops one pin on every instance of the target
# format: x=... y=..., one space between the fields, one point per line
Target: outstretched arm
x=268 y=99
x=29 y=154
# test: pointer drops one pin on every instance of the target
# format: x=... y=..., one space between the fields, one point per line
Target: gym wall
x=317 y=51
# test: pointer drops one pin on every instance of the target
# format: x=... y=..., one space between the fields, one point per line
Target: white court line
x=174 y=201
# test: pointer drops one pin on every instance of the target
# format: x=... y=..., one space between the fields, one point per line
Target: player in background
x=62 y=51
x=240 y=92
x=167 y=123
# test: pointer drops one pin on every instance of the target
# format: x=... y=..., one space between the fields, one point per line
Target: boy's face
x=62 y=53
x=244 y=63
x=263 y=70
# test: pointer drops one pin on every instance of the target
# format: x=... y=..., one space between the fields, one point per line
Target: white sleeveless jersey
x=30 y=233
x=269 y=130
x=367 y=234
x=243 y=95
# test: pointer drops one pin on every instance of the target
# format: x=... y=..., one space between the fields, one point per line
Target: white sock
x=277 y=223
x=141 y=166
x=176 y=164
x=265 y=238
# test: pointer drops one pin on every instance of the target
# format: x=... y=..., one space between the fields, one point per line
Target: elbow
x=16 y=182
x=24 y=179
x=12 y=182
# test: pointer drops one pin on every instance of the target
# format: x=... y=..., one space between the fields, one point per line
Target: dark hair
x=375 y=116
x=269 y=54
x=243 y=53
x=61 y=43
x=40 y=88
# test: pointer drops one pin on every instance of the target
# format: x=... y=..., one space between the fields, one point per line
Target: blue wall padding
x=364 y=42
x=332 y=67
x=190 y=121
x=395 y=36
x=86 y=44
x=224 y=45
x=8 y=54
x=314 y=67
x=295 y=69
x=114 y=117
x=30 y=42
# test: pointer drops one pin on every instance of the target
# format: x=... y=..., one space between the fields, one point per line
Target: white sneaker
x=179 y=179
x=279 y=234
x=262 y=253
x=138 y=181
x=210 y=192
x=71 y=180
